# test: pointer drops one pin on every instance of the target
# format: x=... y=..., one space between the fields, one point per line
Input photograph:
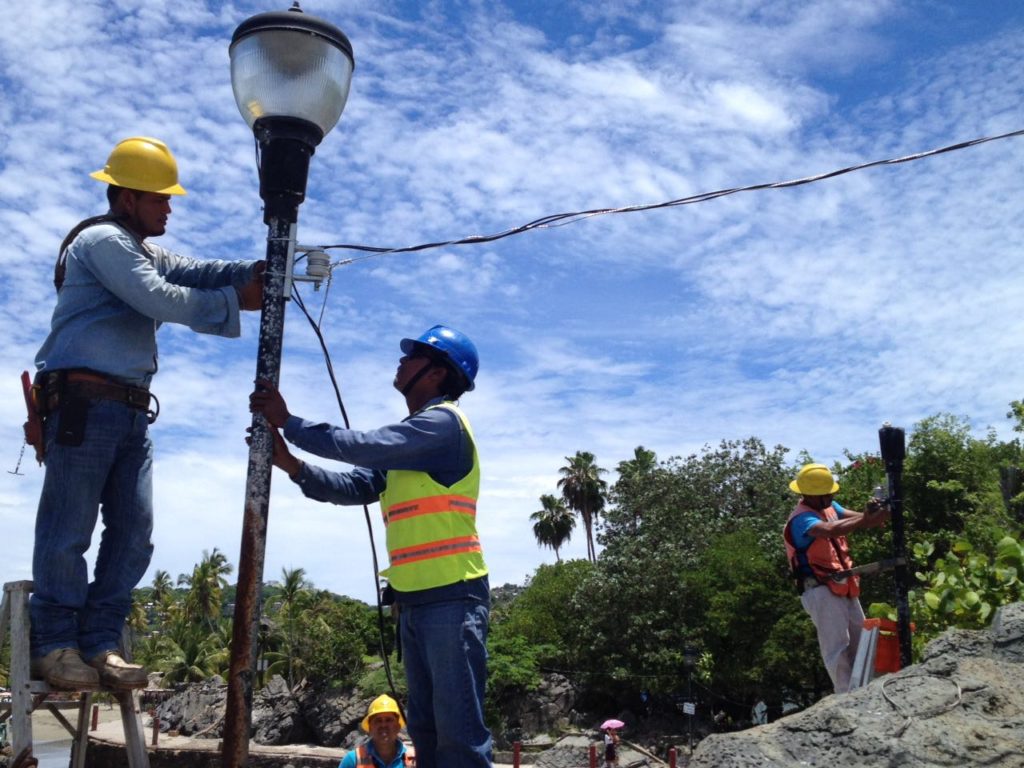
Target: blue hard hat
x=455 y=345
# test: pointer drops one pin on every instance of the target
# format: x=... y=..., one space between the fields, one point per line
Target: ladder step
x=28 y=694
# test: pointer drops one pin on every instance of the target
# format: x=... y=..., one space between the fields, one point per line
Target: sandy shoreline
x=46 y=727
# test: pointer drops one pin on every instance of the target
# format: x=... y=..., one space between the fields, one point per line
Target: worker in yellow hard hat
x=114 y=289
x=384 y=749
x=815 y=537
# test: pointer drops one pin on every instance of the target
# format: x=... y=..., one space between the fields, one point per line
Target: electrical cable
x=562 y=219
x=366 y=509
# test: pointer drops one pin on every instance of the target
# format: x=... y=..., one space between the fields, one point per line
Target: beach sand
x=46 y=727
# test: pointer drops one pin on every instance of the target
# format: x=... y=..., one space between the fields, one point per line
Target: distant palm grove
x=682 y=552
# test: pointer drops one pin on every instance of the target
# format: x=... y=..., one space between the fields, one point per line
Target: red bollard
x=517 y=749
x=156 y=729
x=593 y=756
x=95 y=716
x=672 y=757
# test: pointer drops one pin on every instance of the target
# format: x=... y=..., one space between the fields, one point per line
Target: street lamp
x=690 y=656
x=290 y=73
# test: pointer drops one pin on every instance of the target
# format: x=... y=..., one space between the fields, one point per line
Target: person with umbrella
x=611 y=741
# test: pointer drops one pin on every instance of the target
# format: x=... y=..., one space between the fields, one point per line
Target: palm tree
x=206 y=585
x=294 y=590
x=584 y=492
x=554 y=523
x=162 y=585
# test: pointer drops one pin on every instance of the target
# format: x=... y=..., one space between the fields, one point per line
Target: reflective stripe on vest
x=430 y=505
x=435 y=549
x=824 y=556
x=431 y=528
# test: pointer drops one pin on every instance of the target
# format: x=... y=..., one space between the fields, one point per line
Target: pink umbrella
x=613 y=723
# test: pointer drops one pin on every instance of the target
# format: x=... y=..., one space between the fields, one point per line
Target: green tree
x=293 y=595
x=542 y=612
x=951 y=482
x=645 y=601
x=553 y=523
x=205 y=588
x=630 y=492
x=584 y=492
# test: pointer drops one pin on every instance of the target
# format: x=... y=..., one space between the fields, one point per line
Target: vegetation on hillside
x=683 y=552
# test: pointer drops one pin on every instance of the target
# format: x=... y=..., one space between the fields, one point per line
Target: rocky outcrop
x=195 y=710
x=279 y=716
x=547 y=710
x=963 y=705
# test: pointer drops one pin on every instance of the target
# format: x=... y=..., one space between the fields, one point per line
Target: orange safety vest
x=431 y=528
x=824 y=556
x=363 y=757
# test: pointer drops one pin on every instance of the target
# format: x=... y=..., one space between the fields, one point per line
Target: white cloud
x=804 y=316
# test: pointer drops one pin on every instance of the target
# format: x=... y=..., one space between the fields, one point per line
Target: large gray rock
x=546 y=710
x=277 y=716
x=333 y=716
x=196 y=710
x=963 y=705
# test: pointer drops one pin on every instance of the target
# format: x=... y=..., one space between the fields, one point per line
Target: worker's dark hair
x=113 y=192
x=455 y=384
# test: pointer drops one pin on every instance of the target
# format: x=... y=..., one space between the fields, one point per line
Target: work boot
x=65 y=670
x=117 y=673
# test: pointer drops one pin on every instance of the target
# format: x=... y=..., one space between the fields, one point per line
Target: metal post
x=593 y=756
x=893 y=445
x=517 y=749
x=245 y=629
x=672 y=757
x=689 y=699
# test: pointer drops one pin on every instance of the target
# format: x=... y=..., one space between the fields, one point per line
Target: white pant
x=839 y=621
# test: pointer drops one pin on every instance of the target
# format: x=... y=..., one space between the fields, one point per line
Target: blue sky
x=803 y=316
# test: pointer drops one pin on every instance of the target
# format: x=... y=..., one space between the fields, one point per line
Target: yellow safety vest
x=431 y=528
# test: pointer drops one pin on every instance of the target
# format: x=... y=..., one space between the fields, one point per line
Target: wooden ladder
x=27 y=694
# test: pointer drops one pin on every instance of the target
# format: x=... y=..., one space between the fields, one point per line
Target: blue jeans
x=111 y=471
x=444 y=649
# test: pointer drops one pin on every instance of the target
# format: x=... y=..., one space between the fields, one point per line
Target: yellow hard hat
x=144 y=164
x=379 y=706
x=814 y=480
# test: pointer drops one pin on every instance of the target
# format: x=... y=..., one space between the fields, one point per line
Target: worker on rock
x=383 y=749
x=815 y=538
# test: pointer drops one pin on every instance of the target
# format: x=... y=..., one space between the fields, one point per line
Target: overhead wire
x=385 y=657
x=559 y=220
x=571 y=217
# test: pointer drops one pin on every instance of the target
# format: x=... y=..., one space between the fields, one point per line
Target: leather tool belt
x=73 y=384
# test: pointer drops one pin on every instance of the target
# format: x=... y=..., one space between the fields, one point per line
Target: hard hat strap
x=416 y=377
x=60 y=268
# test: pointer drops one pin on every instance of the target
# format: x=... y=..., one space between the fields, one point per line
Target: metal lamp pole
x=290 y=73
x=690 y=661
x=893 y=446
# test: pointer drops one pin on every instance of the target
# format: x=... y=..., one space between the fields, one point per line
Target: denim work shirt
x=431 y=440
x=116 y=293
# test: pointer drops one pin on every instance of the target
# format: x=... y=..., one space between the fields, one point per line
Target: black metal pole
x=689 y=696
x=287 y=145
x=238 y=718
x=893 y=444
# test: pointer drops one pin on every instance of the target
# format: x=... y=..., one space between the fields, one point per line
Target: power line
x=562 y=219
